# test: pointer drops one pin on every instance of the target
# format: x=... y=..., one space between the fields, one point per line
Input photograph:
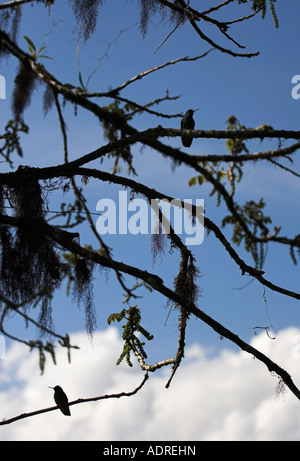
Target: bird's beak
x=196 y=110
x=51 y=387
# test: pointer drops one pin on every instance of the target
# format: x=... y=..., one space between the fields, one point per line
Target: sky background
x=218 y=393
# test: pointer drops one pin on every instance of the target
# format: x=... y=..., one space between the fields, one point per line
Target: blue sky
x=256 y=91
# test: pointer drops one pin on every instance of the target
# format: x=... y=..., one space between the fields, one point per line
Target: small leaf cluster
x=132 y=326
x=48 y=347
x=234 y=172
x=11 y=139
x=78 y=89
x=113 y=133
x=235 y=146
x=72 y=212
x=262 y=5
x=35 y=54
x=257 y=222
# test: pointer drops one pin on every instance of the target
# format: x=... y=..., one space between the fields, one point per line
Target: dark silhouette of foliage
x=24 y=85
x=36 y=256
x=185 y=284
x=149 y=8
x=177 y=12
x=29 y=260
x=83 y=290
x=10 y=21
x=261 y=5
x=11 y=139
x=114 y=133
x=86 y=13
x=158 y=242
x=131 y=327
x=48 y=100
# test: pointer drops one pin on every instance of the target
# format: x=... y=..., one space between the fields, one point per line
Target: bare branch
x=217 y=7
x=267 y=155
x=141 y=75
x=14 y=3
x=194 y=15
x=75 y=402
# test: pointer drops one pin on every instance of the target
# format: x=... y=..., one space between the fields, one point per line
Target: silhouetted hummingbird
x=61 y=400
x=188 y=123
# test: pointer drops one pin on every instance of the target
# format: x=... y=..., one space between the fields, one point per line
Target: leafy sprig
x=132 y=326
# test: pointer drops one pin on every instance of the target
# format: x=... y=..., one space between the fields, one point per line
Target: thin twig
x=150 y=71
x=169 y=35
x=82 y=200
x=10 y=306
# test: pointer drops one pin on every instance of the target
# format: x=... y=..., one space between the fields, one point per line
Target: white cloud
x=230 y=396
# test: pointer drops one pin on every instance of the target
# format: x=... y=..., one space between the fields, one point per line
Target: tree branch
x=141 y=75
x=14 y=3
x=156 y=283
x=194 y=15
x=65 y=239
x=10 y=306
x=76 y=402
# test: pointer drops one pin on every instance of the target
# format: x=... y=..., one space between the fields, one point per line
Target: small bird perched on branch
x=188 y=123
x=61 y=400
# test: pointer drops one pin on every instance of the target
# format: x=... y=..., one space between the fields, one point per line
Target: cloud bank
x=229 y=396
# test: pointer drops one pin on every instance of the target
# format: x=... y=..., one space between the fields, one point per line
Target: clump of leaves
x=256 y=222
x=43 y=348
x=35 y=53
x=11 y=139
x=113 y=132
x=72 y=212
x=132 y=326
x=235 y=146
x=262 y=5
x=234 y=172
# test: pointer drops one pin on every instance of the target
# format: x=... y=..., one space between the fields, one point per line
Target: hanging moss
x=29 y=261
x=86 y=12
x=185 y=282
x=24 y=85
x=83 y=290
